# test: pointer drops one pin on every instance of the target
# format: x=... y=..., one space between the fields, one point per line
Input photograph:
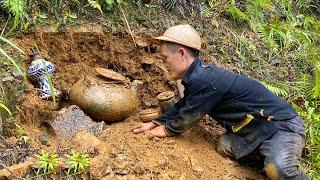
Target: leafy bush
x=78 y=162
x=22 y=135
x=48 y=162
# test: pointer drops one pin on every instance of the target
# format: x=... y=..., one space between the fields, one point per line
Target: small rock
x=71 y=120
x=147 y=60
x=171 y=142
x=136 y=86
x=98 y=128
x=122 y=172
x=86 y=141
x=16 y=74
x=276 y=62
x=183 y=177
x=44 y=139
x=196 y=166
x=164 y=176
x=8 y=79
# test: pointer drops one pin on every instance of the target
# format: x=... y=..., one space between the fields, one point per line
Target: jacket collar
x=189 y=71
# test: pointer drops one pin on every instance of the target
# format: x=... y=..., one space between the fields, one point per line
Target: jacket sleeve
x=201 y=100
x=171 y=113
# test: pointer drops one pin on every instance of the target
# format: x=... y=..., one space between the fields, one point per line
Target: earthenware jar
x=166 y=100
x=148 y=115
x=37 y=72
x=103 y=100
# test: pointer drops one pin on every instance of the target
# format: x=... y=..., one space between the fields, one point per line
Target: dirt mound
x=119 y=153
x=189 y=156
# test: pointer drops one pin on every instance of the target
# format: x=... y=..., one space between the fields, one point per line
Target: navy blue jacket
x=243 y=105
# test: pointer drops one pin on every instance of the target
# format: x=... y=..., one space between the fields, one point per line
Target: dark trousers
x=279 y=155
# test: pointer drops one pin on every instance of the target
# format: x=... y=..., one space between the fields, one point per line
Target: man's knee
x=224 y=146
x=277 y=170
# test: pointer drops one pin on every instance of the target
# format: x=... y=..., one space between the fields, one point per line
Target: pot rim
x=165 y=95
x=149 y=111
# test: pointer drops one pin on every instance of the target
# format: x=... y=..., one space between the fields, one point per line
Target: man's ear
x=182 y=52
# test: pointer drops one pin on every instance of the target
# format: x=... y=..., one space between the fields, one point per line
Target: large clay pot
x=103 y=100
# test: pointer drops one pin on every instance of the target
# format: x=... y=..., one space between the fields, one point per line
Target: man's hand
x=159 y=131
x=141 y=127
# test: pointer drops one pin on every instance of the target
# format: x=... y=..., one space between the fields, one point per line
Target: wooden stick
x=129 y=29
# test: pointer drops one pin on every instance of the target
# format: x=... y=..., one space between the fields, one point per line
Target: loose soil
x=117 y=152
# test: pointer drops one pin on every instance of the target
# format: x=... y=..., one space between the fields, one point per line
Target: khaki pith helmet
x=182 y=34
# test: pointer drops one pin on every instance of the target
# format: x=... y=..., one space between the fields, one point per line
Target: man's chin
x=174 y=78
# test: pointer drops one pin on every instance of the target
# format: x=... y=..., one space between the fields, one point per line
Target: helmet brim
x=157 y=40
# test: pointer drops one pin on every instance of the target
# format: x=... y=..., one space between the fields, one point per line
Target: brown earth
x=118 y=153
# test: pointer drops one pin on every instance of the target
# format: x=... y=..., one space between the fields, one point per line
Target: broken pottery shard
x=72 y=120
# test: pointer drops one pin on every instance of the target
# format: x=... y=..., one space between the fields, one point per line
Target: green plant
x=277 y=89
x=207 y=11
x=69 y=16
x=18 y=9
x=309 y=111
x=169 y=4
x=78 y=162
x=13 y=62
x=47 y=162
x=256 y=9
x=236 y=13
x=51 y=86
x=22 y=135
x=109 y=4
x=3 y=106
x=95 y=5
x=303 y=4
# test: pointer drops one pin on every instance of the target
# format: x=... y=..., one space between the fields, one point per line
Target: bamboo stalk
x=129 y=29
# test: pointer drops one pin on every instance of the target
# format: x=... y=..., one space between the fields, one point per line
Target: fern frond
x=277 y=89
x=316 y=64
x=18 y=9
x=305 y=86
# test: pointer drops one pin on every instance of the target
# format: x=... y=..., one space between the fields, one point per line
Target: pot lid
x=110 y=74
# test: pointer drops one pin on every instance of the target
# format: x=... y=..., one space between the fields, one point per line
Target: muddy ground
x=118 y=153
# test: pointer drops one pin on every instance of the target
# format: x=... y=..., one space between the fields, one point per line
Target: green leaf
x=18 y=9
x=5 y=108
x=12 y=44
x=13 y=62
x=96 y=5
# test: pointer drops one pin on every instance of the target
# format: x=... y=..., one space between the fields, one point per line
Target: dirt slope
x=120 y=153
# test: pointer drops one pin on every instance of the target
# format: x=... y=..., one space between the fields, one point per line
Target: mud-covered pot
x=166 y=100
x=103 y=101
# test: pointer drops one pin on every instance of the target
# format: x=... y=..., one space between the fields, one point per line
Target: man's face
x=173 y=61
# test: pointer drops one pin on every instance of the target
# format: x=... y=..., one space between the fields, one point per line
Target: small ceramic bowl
x=165 y=96
x=166 y=100
x=148 y=115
